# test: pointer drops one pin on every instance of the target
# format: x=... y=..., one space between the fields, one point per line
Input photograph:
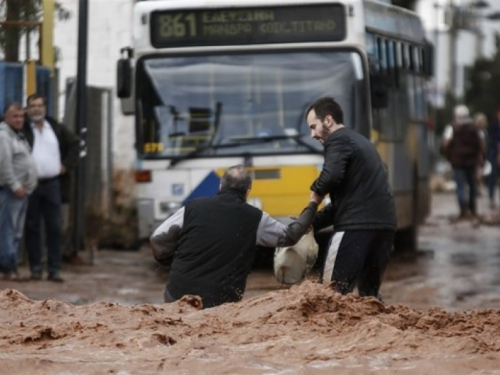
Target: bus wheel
x=406 y=240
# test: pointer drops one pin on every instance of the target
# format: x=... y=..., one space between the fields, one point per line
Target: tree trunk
x=12 y=34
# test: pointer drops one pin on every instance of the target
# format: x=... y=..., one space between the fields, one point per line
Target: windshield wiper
x=239 y=141
x=270 y=138
x=198 y=151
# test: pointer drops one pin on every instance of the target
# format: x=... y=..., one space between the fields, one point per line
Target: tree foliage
x=482 y=92
x=21 y=10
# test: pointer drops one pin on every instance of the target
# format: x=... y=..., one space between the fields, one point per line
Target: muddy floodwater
x=441 y=316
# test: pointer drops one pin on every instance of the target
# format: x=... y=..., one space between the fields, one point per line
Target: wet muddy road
x=457 y=267
x=115 y=321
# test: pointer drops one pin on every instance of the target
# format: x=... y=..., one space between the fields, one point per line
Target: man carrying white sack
x=213 y=241
x=362 y=209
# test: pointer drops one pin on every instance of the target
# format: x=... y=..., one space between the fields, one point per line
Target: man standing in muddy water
x=55 y=151
x=361 y=206
x=215 y=239
x=18 y=179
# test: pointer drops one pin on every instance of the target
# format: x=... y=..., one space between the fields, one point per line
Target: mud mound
x=306 y=326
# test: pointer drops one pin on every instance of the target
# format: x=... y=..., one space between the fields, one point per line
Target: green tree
x=13 y=11
x=21 y=10
x=482 y=93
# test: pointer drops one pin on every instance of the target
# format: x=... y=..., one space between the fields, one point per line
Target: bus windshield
x=232 y=104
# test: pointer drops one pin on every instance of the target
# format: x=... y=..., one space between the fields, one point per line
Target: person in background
x=362 y=209
x=493 y=156
x=18 y=179
x=464 y=146
x=213 y=241
x=481 y=123
x=55 y=151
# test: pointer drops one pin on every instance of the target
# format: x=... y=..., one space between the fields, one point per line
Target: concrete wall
x=109 y=30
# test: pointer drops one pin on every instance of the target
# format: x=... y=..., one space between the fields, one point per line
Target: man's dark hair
x=327 y=106
x=237 y=179
x=10 y=105
x=34 y=97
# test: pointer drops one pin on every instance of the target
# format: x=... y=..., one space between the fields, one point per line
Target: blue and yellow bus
x=212 y=84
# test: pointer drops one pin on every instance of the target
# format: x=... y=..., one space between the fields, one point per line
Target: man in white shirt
x=55 y=151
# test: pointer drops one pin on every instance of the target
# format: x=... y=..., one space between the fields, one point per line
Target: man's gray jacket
x=213 y=241
x=17 y=167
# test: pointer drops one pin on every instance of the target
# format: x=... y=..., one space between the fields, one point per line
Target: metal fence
x=98 y=148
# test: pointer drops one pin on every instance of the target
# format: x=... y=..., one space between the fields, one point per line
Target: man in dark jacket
x=361 y=206
x=213 y=241
x=464 y=144
x=55 y=151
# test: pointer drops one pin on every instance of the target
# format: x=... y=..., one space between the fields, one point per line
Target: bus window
x=405 y=63
x=258 y=95
x=382 y=56
x=372 y=52
x=411 y=57
x=398 y=53
x=397 y=62
x=391 y=59
x=390 y=62
x=417 y=66
x=422 y=61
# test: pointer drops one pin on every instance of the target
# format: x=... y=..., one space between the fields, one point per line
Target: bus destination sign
x=263 y=25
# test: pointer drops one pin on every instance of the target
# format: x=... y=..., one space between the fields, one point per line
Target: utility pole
x=436 y=60
x=81 y=127
x=479 y=37
x=452 y=50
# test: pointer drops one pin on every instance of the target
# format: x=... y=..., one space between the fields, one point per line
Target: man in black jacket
x=464 y=145
x=361 y=206
x=55 y=151
x=213 y=241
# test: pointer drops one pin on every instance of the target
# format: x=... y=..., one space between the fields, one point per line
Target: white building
x=469 y=43
x=108 y=31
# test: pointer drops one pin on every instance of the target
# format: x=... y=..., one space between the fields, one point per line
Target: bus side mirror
x=379 y=90
x=124 y=78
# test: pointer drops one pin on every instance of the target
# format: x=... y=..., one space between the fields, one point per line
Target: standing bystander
x=481 y=123
x=18 y=179
x=493 y=155
x=464 y=146
x=55 y=151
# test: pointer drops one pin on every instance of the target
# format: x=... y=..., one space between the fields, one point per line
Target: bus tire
x=406 y=239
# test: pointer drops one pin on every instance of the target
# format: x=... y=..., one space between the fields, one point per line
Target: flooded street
x=457 y=267
x=441 y=315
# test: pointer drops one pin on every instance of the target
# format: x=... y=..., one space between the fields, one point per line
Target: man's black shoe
x=55 y=277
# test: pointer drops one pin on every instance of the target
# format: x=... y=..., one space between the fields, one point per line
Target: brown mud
x=306 y=329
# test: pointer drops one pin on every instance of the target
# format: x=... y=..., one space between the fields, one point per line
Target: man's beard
x=324 y=132
x=37 y=117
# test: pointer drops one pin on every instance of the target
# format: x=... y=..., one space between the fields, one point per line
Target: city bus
x=217 y=83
